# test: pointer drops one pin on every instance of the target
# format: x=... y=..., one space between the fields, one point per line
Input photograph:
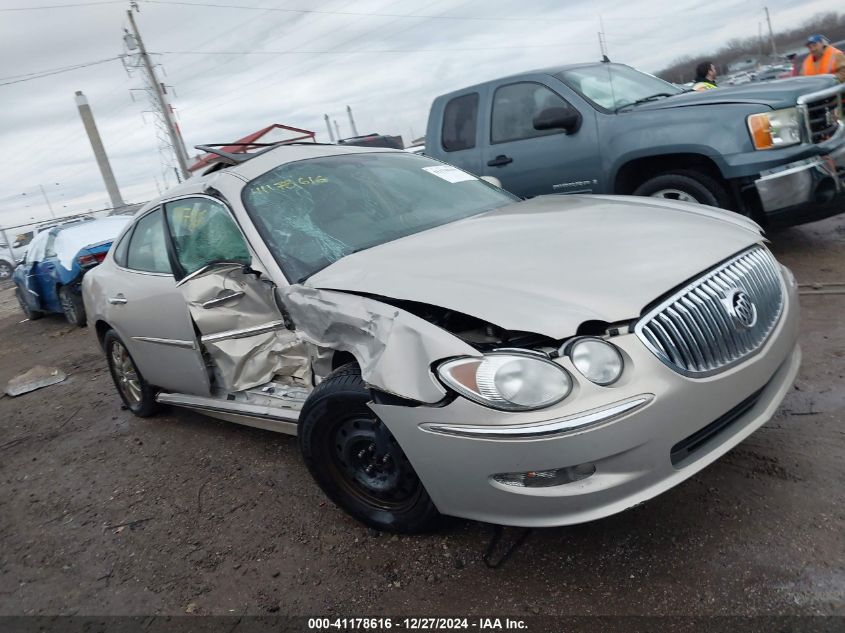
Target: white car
x=441 y=347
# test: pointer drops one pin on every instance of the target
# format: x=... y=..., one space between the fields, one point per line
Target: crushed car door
x=234 y=307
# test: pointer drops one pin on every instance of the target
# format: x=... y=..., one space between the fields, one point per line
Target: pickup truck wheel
x=6 y=269
x=135 y=392
x=356 y=460
x=686 y=186
x=72 y=306
x=30 y=314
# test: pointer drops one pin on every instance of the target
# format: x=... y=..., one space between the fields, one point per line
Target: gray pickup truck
x=774 y=152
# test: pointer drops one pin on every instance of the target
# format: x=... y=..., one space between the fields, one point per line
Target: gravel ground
x=103 y=513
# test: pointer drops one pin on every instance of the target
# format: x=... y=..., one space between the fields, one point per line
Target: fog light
x=546 y=478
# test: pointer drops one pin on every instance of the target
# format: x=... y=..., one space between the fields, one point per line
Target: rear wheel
x=686 y=186
x=30 y=314
x=72 y=306
x=6 y=270
x=136 y=394
x=357 y=461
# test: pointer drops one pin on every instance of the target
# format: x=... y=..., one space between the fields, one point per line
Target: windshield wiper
x=645 y=100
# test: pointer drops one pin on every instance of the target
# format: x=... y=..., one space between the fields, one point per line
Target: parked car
x=772 y=151
x=49 y=277
x=8 y=260
x=440 y=347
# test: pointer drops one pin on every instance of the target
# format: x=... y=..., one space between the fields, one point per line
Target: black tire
x=335 y=429
x=136 y=393
x=32 y=315
x=72 y=306
x=702 y=188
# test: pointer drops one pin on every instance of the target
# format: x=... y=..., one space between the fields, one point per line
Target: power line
x=212 y=5
x=54 y=71
x=381 y=50
x=63 y=6
x=473 y=18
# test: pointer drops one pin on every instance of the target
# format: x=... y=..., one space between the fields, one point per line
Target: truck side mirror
x=558 y=118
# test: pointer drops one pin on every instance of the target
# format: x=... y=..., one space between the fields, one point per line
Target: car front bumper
x=806 y=190
x=632 y=452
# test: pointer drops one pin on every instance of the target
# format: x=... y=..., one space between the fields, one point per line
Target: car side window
x=459 y=123
x=514 y=109
x=147 y=250
x=204 y=232
x=121 y=248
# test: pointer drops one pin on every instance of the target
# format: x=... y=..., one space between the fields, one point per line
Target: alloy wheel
x=126 y=376
x=68 y=306
x=674 y=194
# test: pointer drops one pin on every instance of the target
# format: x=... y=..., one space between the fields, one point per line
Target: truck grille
x=822 y=118
x=719 y=319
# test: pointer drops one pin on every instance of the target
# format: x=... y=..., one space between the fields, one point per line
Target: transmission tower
x=171 y=147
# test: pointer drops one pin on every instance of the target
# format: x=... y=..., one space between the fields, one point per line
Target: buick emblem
x=742 y=309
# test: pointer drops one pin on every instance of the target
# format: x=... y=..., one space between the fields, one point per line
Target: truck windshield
x=312 y=212
x=614 y=86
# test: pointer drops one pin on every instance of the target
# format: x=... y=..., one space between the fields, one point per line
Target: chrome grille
x=706 y=326
x=822 y=118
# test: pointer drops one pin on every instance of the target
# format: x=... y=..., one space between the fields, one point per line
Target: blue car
x=49 y=276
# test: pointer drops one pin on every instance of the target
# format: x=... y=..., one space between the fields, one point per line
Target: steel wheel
x=126 y=376
x=674 y=194
x=370 y=465
x=5 y=271
x=356 y=460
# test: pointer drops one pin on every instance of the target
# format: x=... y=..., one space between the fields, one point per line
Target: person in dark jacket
x=705 y=76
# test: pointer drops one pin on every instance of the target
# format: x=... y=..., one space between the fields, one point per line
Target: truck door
x=241 y=328
x=531 y=162
x=456 y=135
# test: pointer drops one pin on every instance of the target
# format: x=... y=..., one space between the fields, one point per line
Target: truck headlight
x=598 y=360
x=778 y=128
x=509 y=381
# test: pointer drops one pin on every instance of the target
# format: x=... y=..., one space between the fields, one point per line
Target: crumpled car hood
x=548 y=264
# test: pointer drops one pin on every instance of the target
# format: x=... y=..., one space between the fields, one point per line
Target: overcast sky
x=240 y=65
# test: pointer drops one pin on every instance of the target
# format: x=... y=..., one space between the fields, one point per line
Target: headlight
x=598 y=360
x=509 y=381
x=778 y=128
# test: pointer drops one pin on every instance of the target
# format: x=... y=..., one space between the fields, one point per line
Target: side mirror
x=558 y=118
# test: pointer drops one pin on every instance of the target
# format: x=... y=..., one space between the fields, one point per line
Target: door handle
x=118 y=300
x=223 y=298
x=500 y=161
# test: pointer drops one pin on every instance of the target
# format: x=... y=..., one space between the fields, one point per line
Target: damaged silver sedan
x=438 y=346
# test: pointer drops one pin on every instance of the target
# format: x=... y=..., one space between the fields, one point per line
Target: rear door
x=233 y=306
x=532 y=162
x=456 y=135
x=148 y=311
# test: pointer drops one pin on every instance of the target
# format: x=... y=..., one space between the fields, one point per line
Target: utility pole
x=760 y=39
x=771 y=34
x=164 y=106
x=329 y=127
x=351 y=121
x=99 y=150
x=47 y=200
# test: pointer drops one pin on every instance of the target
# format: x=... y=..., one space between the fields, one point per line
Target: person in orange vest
x=823 y=59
